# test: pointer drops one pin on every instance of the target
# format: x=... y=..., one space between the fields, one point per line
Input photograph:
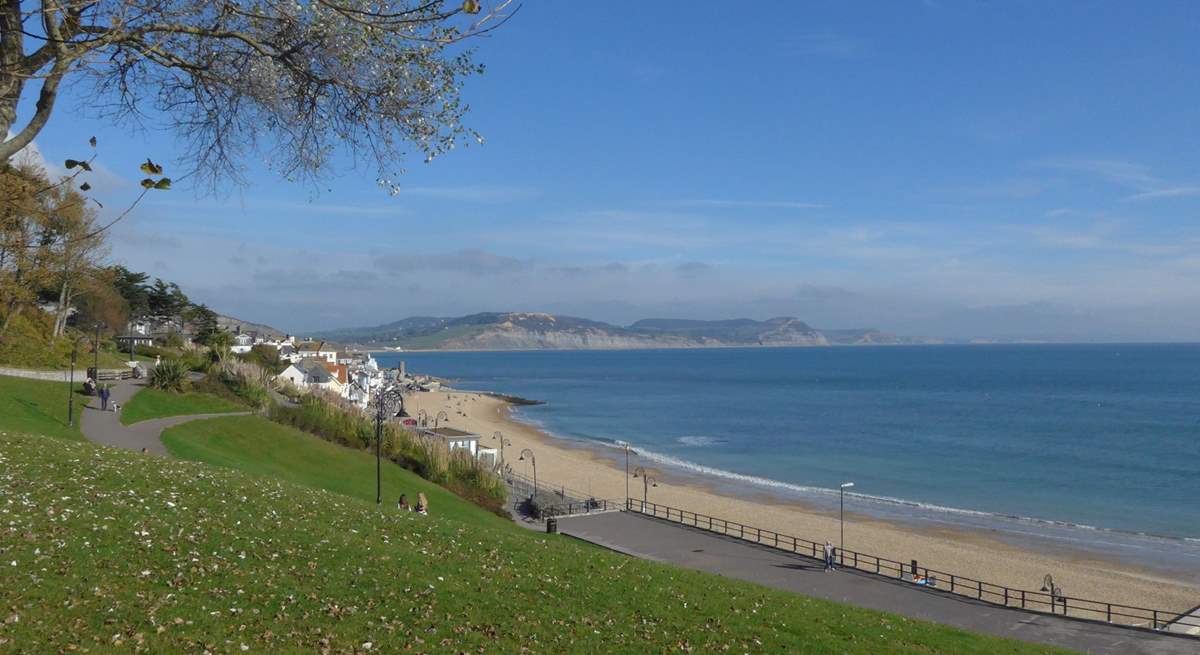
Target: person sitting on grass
x=402 y=504
x=422 y=504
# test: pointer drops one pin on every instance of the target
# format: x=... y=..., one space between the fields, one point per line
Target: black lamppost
x=388 y=403
x=503 y=442
x=71 y=385
x=437 y=420
x=842 y=513
x=626 y=446
x=1056 y=593
x=96 y=351
x=533 y=460
x=647 y=482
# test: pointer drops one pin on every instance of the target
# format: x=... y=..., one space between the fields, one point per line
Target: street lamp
x=503 y=442
x=534 y=461
x=1056 y=593
x=626 y=444
x=71 y=384
x=96 y=351
x=647 y=482
x=842 y=513
x=389 y=403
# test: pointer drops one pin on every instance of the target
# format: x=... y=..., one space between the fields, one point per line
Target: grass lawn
x=168 y=556
x=259 y=446
x=152 y=403
x=38 y=406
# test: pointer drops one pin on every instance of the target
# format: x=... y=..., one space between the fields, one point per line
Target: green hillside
x=258 y=446
x=110 y=551
x=39 y=406
x=153 y=403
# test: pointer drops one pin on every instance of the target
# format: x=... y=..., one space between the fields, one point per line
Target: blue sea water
x=1094 y=435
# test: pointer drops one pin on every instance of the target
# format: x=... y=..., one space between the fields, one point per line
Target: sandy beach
x=965 y=552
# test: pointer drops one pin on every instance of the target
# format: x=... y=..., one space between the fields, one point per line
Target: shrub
x=195 y=360
x=331 y=419
x=250 y=383
x=169 y=375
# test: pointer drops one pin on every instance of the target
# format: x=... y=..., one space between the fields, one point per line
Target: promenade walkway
x=105 y=427
x=658 y=540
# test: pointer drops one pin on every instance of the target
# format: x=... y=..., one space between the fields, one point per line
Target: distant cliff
x=538 y=331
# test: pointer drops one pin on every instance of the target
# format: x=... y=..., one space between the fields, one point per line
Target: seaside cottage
x=314 y=350
x=242 y=343
x=455 y=439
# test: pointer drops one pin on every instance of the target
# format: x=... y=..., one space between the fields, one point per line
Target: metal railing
x=1037 y=601
x=524 y=484
x=589 y=506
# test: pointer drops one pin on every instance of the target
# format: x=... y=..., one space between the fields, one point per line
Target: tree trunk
x=12 y=46
x=64 y=307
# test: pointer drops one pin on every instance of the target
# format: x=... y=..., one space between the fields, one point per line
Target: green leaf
x=85 y=166
x=470 y=6
x=150 y=168
x=70 y=163
x=85 y=187
x=147 y=183
x=163 y=184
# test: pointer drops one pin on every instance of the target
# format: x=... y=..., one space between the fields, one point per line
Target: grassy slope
x=38 y=406
x=152 y=403
x=258 y=446
x=181 y=557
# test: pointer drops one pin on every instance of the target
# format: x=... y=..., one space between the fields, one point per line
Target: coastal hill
x=540 y=331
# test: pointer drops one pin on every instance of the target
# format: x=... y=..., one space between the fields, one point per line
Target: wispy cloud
x=765 y=204
x=1120 y=171
x=485 y=193
x=1169 y=192
x=830 y=44
x=1128 y=174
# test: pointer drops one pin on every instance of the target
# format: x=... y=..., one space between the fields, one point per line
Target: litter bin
x=551 y=525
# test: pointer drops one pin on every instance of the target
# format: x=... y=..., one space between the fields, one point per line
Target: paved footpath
x=105 y=427
x=671 y=543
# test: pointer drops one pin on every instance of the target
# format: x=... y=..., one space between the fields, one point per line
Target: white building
x=313 y=374
x=317 y=350
x=242 y=343
x=455 y=439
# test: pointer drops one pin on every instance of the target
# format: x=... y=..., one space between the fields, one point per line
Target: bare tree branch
x=292 y=82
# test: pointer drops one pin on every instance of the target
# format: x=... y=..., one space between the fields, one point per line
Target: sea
x=1089 y=447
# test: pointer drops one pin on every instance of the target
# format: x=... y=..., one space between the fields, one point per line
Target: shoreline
x=973 y=551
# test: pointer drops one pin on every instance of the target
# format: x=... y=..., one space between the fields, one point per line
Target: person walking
x=828 y=556
x=104 y=397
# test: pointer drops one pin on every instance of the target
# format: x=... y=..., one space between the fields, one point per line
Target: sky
x=944 y=169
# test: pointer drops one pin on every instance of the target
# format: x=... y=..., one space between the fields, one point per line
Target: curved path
x=105 y=427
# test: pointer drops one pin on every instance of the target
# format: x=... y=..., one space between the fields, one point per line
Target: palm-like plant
x=169 y=375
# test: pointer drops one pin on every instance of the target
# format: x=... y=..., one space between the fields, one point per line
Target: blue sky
x=964 y=169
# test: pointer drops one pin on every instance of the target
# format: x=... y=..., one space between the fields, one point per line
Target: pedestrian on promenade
x=104 y=397
x=828 y=556
x=422 y=504
x=402 y=504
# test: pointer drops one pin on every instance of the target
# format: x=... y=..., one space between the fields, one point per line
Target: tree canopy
x=293 y=80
